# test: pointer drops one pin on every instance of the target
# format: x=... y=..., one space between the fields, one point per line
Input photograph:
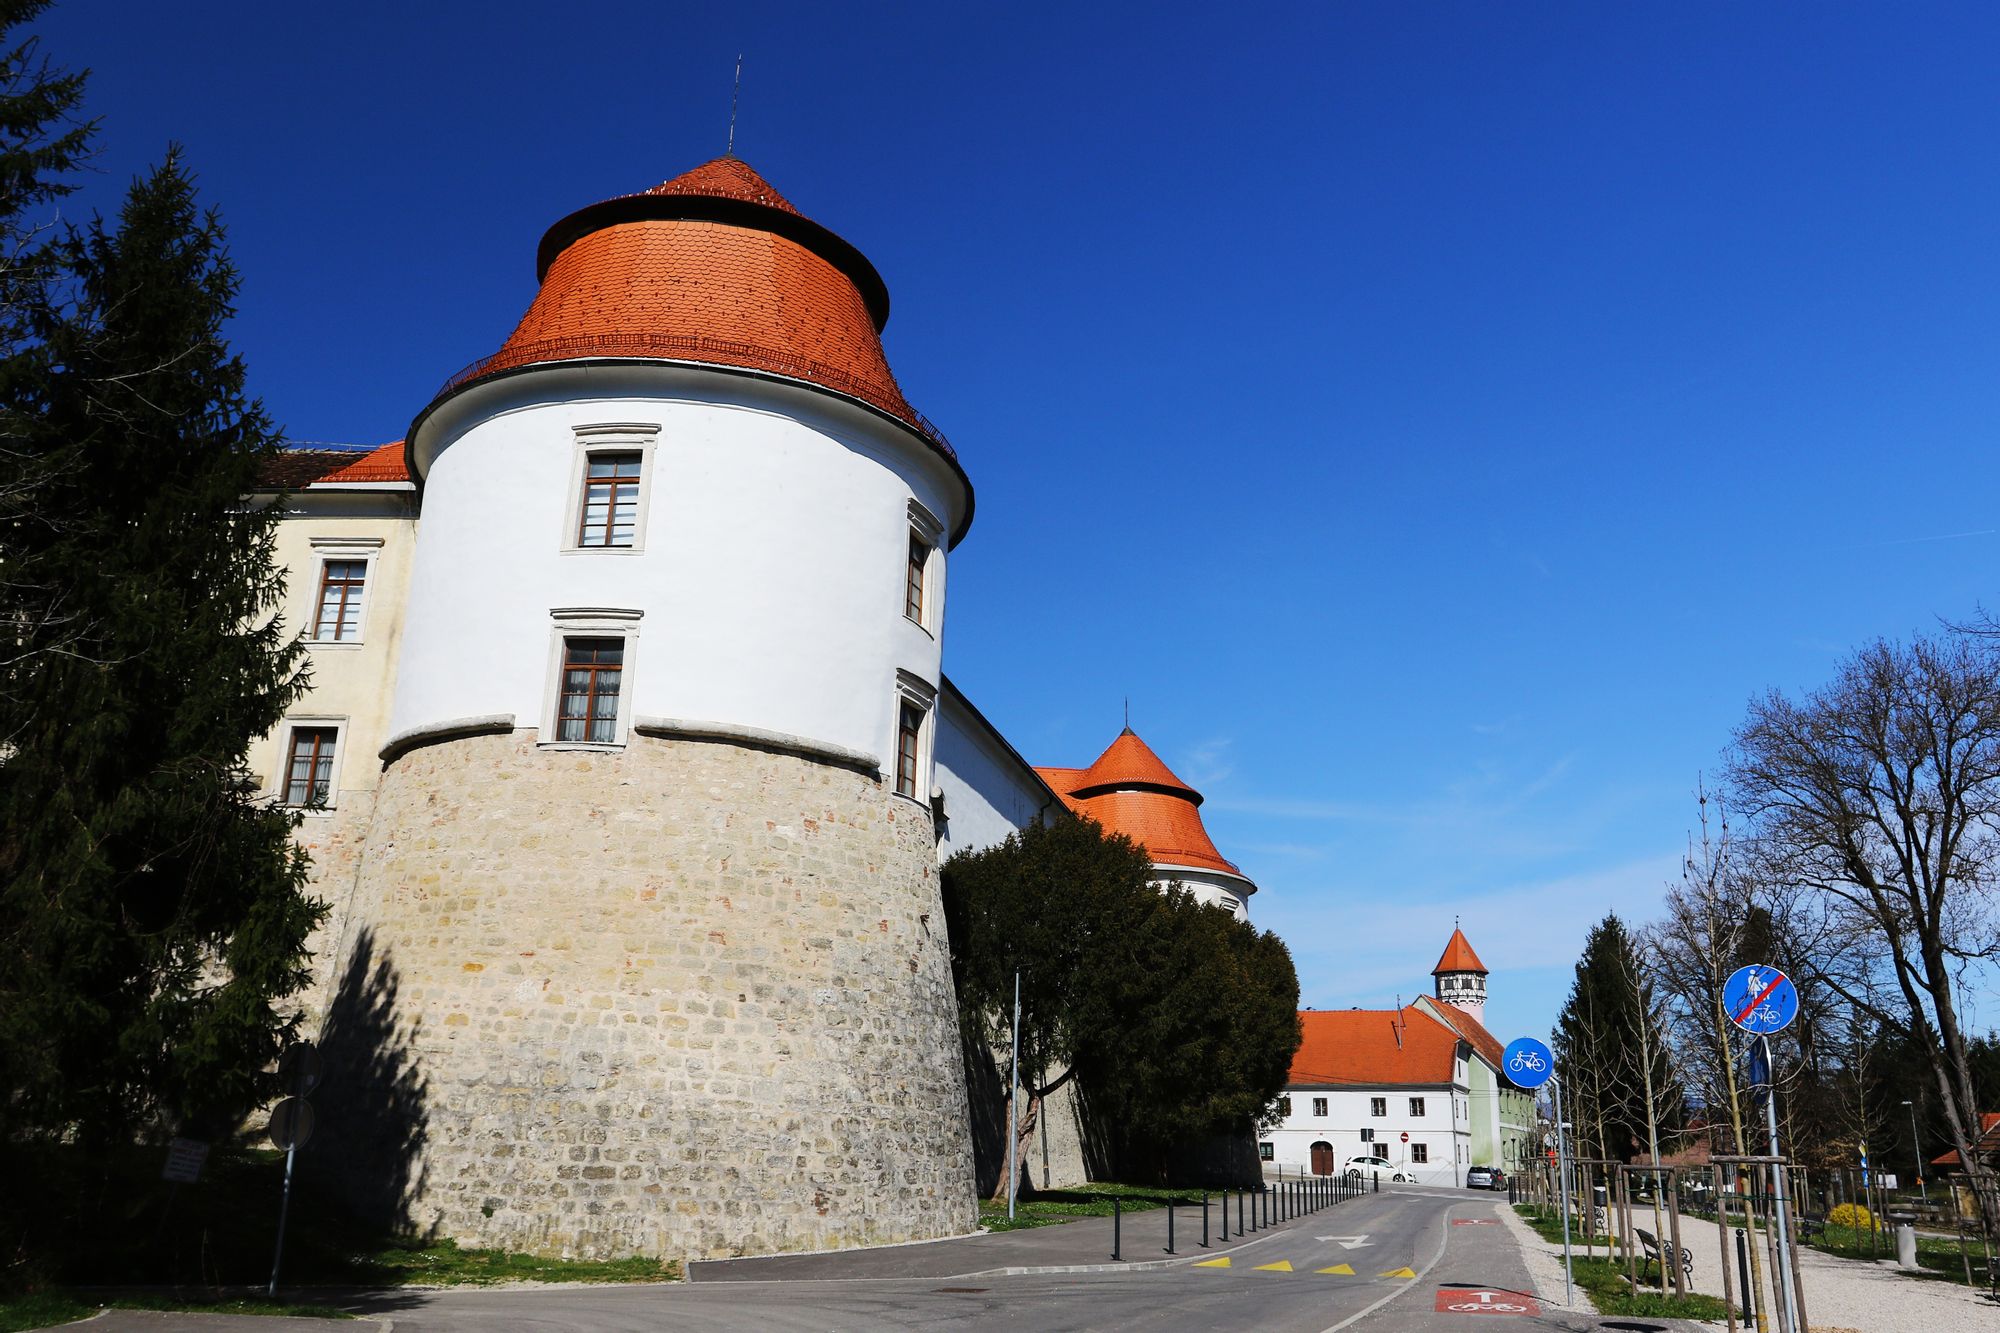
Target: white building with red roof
x=1421 y=1086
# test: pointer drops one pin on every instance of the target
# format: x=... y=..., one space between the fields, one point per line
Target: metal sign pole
x=1562 y=1170
x=284 y=1208
x=1780 y=1206
x=1014 y=1101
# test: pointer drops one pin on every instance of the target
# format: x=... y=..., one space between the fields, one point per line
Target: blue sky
x=1437 y=419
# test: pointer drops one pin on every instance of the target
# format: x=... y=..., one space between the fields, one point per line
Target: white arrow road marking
x=1349 y=1242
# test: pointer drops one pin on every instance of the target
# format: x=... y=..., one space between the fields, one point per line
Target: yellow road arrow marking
x=1398 y=1272
x=1282 y=1266
x=1213 y=1263
x=1345 y=1270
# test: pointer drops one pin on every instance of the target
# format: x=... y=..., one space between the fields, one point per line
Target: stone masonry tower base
x=688 y=999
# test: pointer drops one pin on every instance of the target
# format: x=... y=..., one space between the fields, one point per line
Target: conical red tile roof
x=716 y=267
x=1129 y=790
x=1130 y=762
x=1458 y=956
x=725 y=178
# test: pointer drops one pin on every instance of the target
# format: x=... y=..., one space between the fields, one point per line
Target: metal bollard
x=1117 y=1231
x=1239 y=1214
x=1170 y=1226
x=1204 y=1219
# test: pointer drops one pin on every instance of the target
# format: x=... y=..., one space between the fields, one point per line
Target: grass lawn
x=49 y=1308
x=1605 y=1279
x=1937 y=1256
x=130 y=1241
x=1047 y=1207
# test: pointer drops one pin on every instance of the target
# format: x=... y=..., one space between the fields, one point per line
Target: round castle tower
x=652 y=872
x=1460 y=976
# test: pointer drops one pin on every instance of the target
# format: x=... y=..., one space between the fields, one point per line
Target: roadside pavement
x=1082 y=1246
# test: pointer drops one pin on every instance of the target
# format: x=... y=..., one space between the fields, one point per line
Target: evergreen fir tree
x=41 y=143
x=1600 y=1044
x=152 y=909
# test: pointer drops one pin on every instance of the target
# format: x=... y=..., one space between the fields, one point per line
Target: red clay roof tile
x=1130 y=791
x=1458 y=956
x=749 y=282
x=1347 y=1047
x=727 y=177
x=384 y=464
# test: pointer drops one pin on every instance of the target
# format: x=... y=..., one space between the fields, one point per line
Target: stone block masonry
x=688 y=999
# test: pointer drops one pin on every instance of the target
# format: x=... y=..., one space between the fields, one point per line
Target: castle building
x=1420 y=1086
x=629 y=761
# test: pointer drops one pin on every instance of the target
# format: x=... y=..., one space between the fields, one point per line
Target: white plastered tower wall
x=767 y=582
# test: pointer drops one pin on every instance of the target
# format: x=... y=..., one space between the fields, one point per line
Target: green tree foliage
x=41 y=144
x=1178 y=1020
x=152 y=910
x=1607 y=1034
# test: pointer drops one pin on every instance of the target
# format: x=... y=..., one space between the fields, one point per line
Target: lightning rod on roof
x=734 y=93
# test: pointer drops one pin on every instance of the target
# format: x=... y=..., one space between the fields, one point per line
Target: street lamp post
x=1917 y=1150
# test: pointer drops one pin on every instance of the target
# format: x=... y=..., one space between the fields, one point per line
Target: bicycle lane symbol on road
x=1479 y=1300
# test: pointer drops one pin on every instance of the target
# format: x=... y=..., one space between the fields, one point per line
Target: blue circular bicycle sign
x=1760 y=999
x=1527 y=1063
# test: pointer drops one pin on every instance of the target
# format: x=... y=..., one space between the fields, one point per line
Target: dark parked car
x=1485 y=1178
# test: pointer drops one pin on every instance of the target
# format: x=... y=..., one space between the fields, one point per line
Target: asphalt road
x=1405 y=1261
x=1311 y=1277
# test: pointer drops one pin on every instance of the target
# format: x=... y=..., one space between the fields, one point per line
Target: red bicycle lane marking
x=1480 y=1300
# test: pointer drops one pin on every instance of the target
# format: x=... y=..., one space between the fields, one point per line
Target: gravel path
x=1854 y=1294
x=1842 y=1295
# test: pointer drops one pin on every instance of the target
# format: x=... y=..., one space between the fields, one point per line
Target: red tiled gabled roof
x=1459 y=957
x=1473 y=1031
x=1363 y=1047
x=727 y=177
x=383 y=464
x=1131 y=791
x=1989 y=1140
x=292 y=468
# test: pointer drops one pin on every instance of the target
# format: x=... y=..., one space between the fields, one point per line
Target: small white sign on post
x=1888 y=1179
x=185 y=1159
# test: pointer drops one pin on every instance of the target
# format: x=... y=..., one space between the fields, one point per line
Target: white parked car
x=1357 y=1167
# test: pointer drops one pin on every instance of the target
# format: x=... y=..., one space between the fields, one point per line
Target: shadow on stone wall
x=373 y=1116
x=986 y=1096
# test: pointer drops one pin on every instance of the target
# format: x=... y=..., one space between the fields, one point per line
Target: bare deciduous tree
x=1878 y=798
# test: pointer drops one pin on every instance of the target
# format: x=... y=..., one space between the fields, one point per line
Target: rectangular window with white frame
x=590 y=672
x=307 y=779
x=1378 y=1106
x=1420 y=1152
x=1319 y=1107
x=610 y=492
x=919 y=566
x=1416 y=1106
x=340 y=591
x=914 y=697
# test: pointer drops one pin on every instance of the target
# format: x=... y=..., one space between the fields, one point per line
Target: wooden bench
x=1649 y=1246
